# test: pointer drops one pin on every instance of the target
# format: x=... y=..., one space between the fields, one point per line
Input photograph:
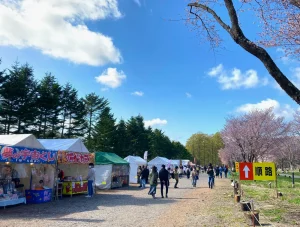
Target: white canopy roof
x=185 y=162
x=75 y=145
x=135 y=159
x=22 y=140
x=174 y=162
x=159 y=161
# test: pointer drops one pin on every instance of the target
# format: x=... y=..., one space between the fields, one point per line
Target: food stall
x=134 y=162
x=74 y=166
x=111 y=171
x=23 y=167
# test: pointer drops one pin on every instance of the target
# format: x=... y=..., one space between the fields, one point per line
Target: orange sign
x=67 y=157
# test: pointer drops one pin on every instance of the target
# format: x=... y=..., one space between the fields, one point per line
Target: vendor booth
x=111 y=171
x=21 y=140
x=75 y=145
x=173 y=163
x=158 y=162
x=72 y=171
x=26 y=168
x=134 y=162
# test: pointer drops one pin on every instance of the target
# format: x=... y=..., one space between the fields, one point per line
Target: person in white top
x=90 y=178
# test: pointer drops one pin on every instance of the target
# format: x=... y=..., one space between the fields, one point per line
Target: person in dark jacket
x=147 y=174
x=143 y=177
x=164 y=178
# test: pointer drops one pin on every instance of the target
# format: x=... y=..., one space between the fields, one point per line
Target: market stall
x=26 y=168
x=111 y=171
x=158 y=162
x=73 y=169
x=75 y=145
x=134 y=162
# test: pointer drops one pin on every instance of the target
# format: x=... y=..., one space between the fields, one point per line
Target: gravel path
x=186 y=206
x=126 y=207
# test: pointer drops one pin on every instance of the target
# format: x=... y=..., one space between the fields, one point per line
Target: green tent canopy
x=106 y=158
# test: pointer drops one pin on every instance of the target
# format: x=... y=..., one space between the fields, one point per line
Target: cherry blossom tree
x=254 y=136
x=279 y=23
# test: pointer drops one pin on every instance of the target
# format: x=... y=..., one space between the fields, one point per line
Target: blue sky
x=134 y=54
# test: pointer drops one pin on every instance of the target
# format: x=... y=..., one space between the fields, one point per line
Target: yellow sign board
x=237 y=167
x=264 y=171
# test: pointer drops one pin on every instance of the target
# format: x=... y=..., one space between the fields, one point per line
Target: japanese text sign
x=75 y=157
x=264 y=171
x=257 y=171
x=237 y=165
x=246 y=171
x=27 y=155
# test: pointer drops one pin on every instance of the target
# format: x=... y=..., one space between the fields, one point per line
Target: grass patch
x=295 y=201
x=275 y=215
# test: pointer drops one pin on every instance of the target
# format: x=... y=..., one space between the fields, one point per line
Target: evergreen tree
x=49 y=105
x=104 y=136
x=73 y=113
x=19 y=92
x=138 y=137
x=94 y=105
x=122 y=142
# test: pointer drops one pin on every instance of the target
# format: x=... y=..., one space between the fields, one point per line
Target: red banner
x=67 y=157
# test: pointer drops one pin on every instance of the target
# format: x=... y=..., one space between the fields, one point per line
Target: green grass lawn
x=280 y=209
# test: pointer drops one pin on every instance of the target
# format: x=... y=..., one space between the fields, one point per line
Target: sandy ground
x=186 y=206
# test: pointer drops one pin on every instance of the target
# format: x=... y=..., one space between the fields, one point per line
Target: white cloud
x=138 y=2
x=111 y=78
x=155 y=122
x=281 y=111
x=138 y=93
x=236 y=79
x=188 y=95
x=57 y=28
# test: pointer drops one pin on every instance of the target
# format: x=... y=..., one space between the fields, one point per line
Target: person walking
x=143 y=177
x=188 y=173
x=90 y=178
x=210 y=172
x=225 y=171
x=217 y=171
x=164 y=178
x=139 y=171
x=194 y=177
x=153 y=182
x=147 y=174
x=176 y=176
x=220 y=171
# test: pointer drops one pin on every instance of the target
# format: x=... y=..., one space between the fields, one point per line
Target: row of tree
x=204 y=148
x=261 y=136
x=49 y=110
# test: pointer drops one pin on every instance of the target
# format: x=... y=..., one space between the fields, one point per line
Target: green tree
x=49 y=105
x=104 y=136
x=73 y=113
x=121 y=147
x=94 y=106
x=138 y=136
x=19 y=93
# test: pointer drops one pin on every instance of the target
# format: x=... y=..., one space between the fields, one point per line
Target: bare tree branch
x=238 y=36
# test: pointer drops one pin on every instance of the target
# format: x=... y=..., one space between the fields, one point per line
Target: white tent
x=185 y=162
x=174 y=163
x=134 y=162
x=158 y=162
x=75 y=145
x=21 y=140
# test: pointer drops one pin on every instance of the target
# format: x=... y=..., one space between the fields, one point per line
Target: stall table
x=4 y=203
x=74 y=187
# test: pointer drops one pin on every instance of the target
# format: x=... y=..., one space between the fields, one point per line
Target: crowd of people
x=146 y=176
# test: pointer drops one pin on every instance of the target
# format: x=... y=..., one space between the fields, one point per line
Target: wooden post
x=293 y=179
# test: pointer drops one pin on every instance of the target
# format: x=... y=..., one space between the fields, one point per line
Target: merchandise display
x=29 y=168
x=72 y=171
